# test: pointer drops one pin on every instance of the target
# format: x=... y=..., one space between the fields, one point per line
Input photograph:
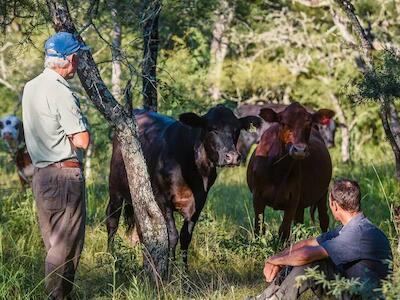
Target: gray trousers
x=60 y=202
x=284 y=285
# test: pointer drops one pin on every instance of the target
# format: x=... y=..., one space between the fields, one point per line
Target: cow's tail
x=129 y=217
x=313 y=208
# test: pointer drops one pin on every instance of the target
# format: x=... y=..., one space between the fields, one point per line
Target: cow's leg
x=113 y=213
x=188 y=227
x=299 y=217
x=186 y=237
x=259 y=208
x=323 y=213
x=288 y=217
x=172 y=231
x=131 y=229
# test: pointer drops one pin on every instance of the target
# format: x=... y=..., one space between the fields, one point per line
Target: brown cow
x=182 y=157
x=291 y=167
x=247 y=139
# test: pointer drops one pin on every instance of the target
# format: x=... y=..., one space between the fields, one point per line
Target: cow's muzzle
x=7 y=136
x=230 y=159
x=299 y=151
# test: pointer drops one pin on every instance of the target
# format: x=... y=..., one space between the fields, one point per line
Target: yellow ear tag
x=252 y=129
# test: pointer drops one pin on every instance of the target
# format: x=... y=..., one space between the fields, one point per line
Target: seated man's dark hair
x=347 y=194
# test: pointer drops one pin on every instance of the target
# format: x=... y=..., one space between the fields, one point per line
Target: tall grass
x=225 y=259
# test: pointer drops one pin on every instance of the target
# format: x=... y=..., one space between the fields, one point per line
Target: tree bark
x=366 y=45
x=394 y=122
x=219 y=46
x=342 y=27
x=384 y=113
x=116 y=51
x=344 y=128
x=148 y=216
x=150 y=16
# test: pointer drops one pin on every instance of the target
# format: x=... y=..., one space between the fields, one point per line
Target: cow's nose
x=232 y=158
x=7 y=136
x=298 y=151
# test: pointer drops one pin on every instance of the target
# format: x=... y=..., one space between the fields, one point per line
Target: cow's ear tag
x=252 y=128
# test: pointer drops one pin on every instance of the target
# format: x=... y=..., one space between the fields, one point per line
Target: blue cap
x=63 y=44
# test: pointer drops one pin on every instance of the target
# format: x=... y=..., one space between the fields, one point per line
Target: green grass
x=225 y=259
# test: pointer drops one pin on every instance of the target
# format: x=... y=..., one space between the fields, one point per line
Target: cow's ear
x=192 y=120
x=323 y=116
x=269 y=115
x=246 y=122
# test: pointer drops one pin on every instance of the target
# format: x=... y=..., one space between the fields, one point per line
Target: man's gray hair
x=54 y=61
x=347 y=194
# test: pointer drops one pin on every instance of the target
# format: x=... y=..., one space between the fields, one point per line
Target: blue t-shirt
x=359 y=249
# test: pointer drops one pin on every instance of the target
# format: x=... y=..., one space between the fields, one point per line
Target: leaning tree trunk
x=148 y=216
x=219 y=46
x=344 y=128
x=116 y=51
x=150 y=16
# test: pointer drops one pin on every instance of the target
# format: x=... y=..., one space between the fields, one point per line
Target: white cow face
x=11 y=131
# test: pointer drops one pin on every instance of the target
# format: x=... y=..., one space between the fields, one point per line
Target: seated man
x=356 y=249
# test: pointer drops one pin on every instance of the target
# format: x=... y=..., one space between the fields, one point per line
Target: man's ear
x=323 y=116
x=192 y=120
x=246 y=122
x=335 y=205
x=269 y=115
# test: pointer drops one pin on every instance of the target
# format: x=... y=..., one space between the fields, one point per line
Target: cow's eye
x=16 y=126
x=1 y=125
x=8 y=122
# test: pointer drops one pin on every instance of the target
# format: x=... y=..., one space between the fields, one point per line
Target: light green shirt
x=50 y=112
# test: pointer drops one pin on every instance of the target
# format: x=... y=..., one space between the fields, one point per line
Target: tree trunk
x=286 y=95
x=394 y=122
x=344 y=128
x=219 y=46
x=116 y=51
x=384 y=115
x=366 y=45
x=148 y=216
x=150 y=16
x=88 y=161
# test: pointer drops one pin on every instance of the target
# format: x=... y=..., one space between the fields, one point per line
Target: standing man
x=56 y=134
x=356 y=249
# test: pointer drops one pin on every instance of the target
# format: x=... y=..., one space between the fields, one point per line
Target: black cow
x=181 y=157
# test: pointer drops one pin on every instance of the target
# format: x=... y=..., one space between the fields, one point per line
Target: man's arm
x=271 y=269
x=308 y=242
x=80 y=140
x=299 y=257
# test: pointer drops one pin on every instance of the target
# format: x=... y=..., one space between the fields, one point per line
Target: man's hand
x=80 y=140
x=270 y=271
